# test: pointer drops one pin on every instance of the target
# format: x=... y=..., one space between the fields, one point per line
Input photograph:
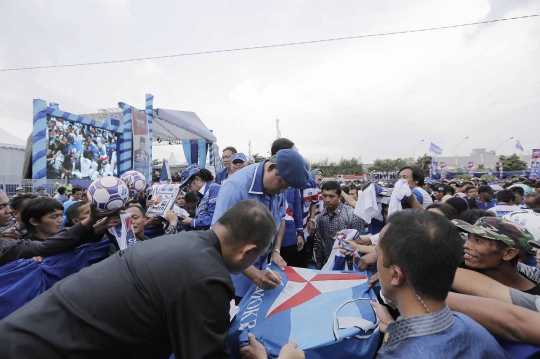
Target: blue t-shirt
x=486 y=206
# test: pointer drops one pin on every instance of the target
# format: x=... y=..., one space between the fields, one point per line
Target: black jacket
x=169 y=294
x=13 y=249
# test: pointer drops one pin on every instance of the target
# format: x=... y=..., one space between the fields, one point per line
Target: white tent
x=11 y=154
x=175 y=162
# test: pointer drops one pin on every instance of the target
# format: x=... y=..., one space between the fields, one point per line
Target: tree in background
x=388 y=164
x=344 y=167
x=513 y=163
x=156 y=162
x=258 y=158
x=424 y=162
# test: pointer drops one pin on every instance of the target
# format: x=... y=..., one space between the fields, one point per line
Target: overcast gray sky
x=374 y=97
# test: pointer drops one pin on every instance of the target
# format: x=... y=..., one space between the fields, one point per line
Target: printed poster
x=141 y=143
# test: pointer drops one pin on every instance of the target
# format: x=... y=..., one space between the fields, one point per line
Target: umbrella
x=496 y=187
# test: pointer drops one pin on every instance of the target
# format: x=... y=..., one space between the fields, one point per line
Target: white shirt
x=502 y=209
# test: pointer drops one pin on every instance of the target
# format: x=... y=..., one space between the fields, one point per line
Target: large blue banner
x=24 y=279
x=327 y=312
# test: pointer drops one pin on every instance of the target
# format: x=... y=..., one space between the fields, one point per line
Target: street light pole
x=454 y=152
x=495 y=151
x=416 y=148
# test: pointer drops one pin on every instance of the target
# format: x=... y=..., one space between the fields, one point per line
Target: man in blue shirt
x=227 y=169
x=413 y=246
x=263 y=182
x=485 y=199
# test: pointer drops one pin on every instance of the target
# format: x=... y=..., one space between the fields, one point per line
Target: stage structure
x=112 y=141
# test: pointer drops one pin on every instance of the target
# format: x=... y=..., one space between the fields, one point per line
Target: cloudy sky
x=375 y=97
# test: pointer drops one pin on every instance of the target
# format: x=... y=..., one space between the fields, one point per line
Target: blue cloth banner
x=327 y=312
x=202 y=152
x=186 y=145
x=24 y=279
x=433 y=148
x=194 y=151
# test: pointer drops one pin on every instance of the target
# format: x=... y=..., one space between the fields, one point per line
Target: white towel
x=367 y=207
x=401 y=189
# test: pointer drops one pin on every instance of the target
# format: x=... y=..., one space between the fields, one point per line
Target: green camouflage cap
x=500 y=229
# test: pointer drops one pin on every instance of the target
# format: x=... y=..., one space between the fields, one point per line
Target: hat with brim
x=292 y=168
x=19 y=188
x=188 y=173
x=498 y=229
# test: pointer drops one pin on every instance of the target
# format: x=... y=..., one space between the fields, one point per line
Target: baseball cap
x=293 y=168
x=499 y=229
x=187 y=173
x=440 y=188
x=486 y=189
x=19 y=188
x=238 y=157
x=431 y=182
x=526 y=188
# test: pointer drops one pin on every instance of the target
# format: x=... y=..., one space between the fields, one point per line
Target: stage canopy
x=174 y=125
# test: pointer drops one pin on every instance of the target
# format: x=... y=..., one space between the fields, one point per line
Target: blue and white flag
x=490 y=171
x=338 y=260
x=433 y=148
x=462 y=169
x=122 y=236
x=518 y=146
x=328 y=313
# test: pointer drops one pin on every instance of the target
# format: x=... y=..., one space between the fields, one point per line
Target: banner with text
x=141 y=141
x=535 y=169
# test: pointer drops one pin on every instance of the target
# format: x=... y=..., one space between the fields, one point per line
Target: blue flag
x=165 y=171
x=433 y=148
x=327 y=312
x=462 y=169
x=518 y=146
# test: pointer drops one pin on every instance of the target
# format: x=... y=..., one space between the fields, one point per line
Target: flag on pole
x=518 y=146
x=165 y=171
x=433 y=148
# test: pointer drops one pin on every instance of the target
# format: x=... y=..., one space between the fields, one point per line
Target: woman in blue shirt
x=206 y=191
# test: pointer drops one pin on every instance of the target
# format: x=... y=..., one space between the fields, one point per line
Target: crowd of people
x=455 y=261
x=79 y=151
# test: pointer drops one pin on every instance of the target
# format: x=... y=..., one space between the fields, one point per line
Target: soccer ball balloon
x=108 y=193
x=135 y=181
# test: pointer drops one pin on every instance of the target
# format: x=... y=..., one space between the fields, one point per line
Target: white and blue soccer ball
x=135 y=181
x=108 y=193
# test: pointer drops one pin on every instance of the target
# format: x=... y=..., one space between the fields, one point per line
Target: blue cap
x=238 y=156
x=19 y=188
x=187 y=173
x=431 y=182
x=292 y=168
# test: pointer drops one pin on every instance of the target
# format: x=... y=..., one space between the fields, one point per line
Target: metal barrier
x=9 y=183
